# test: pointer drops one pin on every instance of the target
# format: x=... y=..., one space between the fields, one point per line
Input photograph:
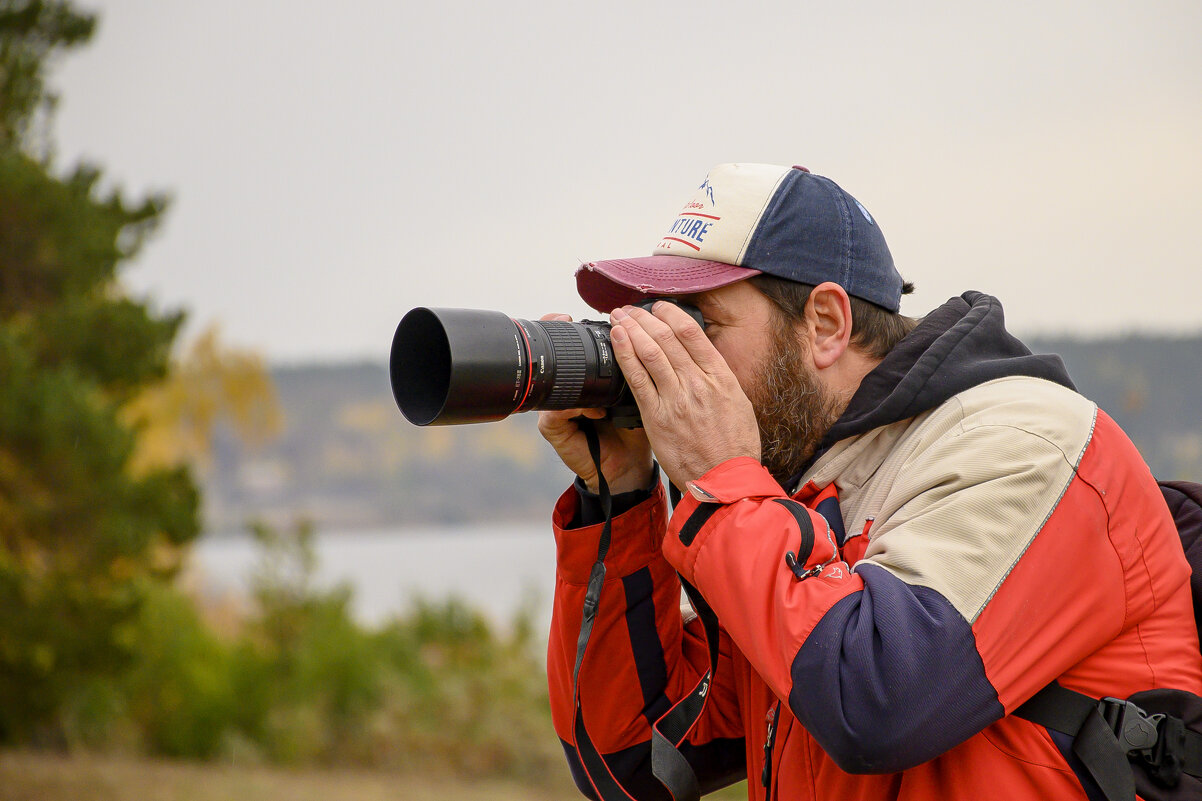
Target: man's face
x=767 y=354
x=738 y=321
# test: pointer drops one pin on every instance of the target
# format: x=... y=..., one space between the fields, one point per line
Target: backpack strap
x=1184 y=499
x=1094 y=743
x=1108 y=733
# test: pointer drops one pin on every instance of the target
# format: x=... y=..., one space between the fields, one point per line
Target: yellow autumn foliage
x=209 y=383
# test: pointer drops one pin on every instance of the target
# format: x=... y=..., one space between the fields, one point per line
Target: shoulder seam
x=1073 y=475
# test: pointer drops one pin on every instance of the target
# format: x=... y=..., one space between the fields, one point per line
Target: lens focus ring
x=568 y=348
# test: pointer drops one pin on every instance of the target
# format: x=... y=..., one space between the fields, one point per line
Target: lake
x=495 y=568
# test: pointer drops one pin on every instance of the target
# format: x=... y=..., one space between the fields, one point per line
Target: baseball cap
x=747 y=219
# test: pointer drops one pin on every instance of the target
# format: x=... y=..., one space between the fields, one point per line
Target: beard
x=793 y=409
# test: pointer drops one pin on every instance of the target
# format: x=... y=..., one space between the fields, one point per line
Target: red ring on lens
x=529 y=365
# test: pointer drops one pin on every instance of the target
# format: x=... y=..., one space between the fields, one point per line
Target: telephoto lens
x=453 y=366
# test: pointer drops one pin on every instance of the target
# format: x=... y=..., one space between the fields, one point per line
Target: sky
x=334 y=165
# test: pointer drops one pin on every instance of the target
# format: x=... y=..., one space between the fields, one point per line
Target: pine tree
x=82 y=533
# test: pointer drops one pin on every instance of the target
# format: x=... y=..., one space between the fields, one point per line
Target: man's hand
x=694 y=411
x=625 y=453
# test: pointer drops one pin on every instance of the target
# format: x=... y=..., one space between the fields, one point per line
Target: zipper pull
x=769 y=742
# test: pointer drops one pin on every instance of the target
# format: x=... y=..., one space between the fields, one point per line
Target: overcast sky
x=335 y=164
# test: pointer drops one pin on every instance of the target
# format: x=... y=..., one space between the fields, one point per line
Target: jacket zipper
x=769 y=743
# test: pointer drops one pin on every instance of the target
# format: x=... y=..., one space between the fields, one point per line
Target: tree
x=82 y=534
x=211 y=382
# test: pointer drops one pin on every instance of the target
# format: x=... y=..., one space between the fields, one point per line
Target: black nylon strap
x=1094 y=741
x=668 y=765
x=672 y=769
x=592 y=595
x=1077 y=715
x=677 y=721
x=1058 y=708
x=607 y=505
x=1193 y=754
x=1098 y=749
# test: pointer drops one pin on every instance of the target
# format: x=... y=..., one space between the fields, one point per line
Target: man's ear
x=828 y=323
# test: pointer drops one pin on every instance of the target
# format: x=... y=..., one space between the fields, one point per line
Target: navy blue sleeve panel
x=717 y=764
x=648 y=651
x=891 y=678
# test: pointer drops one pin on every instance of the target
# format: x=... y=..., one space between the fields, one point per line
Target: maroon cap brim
x=606 y=285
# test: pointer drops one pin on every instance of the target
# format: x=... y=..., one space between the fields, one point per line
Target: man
x=905 y=529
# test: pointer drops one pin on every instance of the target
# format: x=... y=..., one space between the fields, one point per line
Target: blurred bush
x=301 y=682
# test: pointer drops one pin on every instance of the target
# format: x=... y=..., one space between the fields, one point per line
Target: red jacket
x=1007 y=536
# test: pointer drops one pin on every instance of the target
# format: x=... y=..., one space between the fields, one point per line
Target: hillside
x=1151 y=385
x=348 y=459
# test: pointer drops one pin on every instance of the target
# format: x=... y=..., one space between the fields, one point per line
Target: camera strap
x=668 y=764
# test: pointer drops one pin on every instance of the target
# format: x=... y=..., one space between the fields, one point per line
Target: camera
x=453 y=366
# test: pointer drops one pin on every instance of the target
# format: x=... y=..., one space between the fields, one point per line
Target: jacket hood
x=958 y=346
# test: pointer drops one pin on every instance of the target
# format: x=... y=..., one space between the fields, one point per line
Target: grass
x=31 y=776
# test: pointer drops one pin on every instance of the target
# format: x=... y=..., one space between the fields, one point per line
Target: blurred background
x=229 y=566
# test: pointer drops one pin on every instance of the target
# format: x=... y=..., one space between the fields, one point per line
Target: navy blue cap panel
x=745 y=218
x=813 y=231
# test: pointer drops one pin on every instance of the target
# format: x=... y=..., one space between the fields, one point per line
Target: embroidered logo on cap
x=690 y=229
x=864 y=211
x=691 y=225
x=717 y=222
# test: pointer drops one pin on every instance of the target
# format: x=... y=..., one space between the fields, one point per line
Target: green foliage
x=30 y=34
x=97 y=647
x=180 y=695
x=437 y=687
x=317 y=672
x=82 y=536
x=468 y=700
x=301 y=682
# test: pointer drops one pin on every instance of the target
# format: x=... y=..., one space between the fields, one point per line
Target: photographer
x=905 y=528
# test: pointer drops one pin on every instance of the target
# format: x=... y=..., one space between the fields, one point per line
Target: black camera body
x=453 y=366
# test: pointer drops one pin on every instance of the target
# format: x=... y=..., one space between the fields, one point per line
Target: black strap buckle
x=1136 y=730
x=1155 y=741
